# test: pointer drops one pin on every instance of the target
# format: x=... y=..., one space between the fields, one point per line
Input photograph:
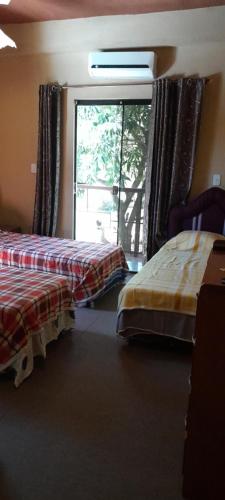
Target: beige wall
x=187 y=43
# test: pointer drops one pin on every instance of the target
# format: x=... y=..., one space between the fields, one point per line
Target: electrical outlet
x=216 y=179
x=33 y=168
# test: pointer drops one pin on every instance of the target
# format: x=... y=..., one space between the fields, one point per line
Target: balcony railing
x=109 y=215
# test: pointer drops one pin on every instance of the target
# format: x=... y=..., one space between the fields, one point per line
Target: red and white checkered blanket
x=89 y=266
x=28 y=300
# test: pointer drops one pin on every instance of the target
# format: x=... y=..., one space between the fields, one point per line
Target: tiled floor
x=101 y=316
x=135 y=264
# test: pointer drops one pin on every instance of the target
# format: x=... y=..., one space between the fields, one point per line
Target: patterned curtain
x=48 y=162
x=174 y=121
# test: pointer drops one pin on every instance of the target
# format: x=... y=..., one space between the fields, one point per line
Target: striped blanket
x=90 y=267
x=171 y=280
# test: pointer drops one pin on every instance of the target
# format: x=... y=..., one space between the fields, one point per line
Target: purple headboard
x=204 y=213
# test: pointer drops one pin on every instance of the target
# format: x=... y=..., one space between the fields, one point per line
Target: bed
x=35 y=307
x=91 y=268
x=161 y=299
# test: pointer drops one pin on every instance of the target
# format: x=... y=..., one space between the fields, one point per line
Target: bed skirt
x=143 y=321
x=23 y=362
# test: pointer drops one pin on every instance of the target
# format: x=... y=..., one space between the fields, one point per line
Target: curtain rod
x=112 y=85
x=65 y=86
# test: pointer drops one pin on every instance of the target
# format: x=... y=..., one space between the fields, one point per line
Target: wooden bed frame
x=204 y=213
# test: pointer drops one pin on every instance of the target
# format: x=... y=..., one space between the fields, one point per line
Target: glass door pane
x=98 y=159
x=132 y=183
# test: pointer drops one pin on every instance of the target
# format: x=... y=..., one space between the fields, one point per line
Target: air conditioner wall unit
x=138 y=65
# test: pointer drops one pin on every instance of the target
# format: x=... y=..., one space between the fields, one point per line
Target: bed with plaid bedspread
x=90 y=267
x=29 y=301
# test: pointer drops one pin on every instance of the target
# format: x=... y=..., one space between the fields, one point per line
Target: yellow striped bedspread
x=172 y=278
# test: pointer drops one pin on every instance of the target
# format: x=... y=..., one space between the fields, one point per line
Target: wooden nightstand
x=10 y=228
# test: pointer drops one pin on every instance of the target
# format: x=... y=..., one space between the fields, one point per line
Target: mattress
x=30 y=301
x=162 y=298
x=90 y=267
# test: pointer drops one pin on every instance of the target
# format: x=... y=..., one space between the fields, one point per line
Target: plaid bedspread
x=89 y=266
x=27 y=301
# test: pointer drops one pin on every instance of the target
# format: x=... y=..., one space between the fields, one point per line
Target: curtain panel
x=174 y=123
x=48 y=161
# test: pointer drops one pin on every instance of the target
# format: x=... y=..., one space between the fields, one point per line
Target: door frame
x=98 y=102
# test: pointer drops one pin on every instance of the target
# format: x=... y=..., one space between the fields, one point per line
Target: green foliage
x=99 y=148
x=107 y=206
x=136 y=119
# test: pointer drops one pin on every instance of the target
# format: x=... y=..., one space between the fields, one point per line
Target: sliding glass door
x=110 y=152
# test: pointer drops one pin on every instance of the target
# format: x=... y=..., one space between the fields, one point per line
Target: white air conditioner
x=122 y=65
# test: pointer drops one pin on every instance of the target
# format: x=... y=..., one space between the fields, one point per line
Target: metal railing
x=131 y=235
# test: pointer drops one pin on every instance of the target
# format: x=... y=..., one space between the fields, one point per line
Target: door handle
x=115 y=190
